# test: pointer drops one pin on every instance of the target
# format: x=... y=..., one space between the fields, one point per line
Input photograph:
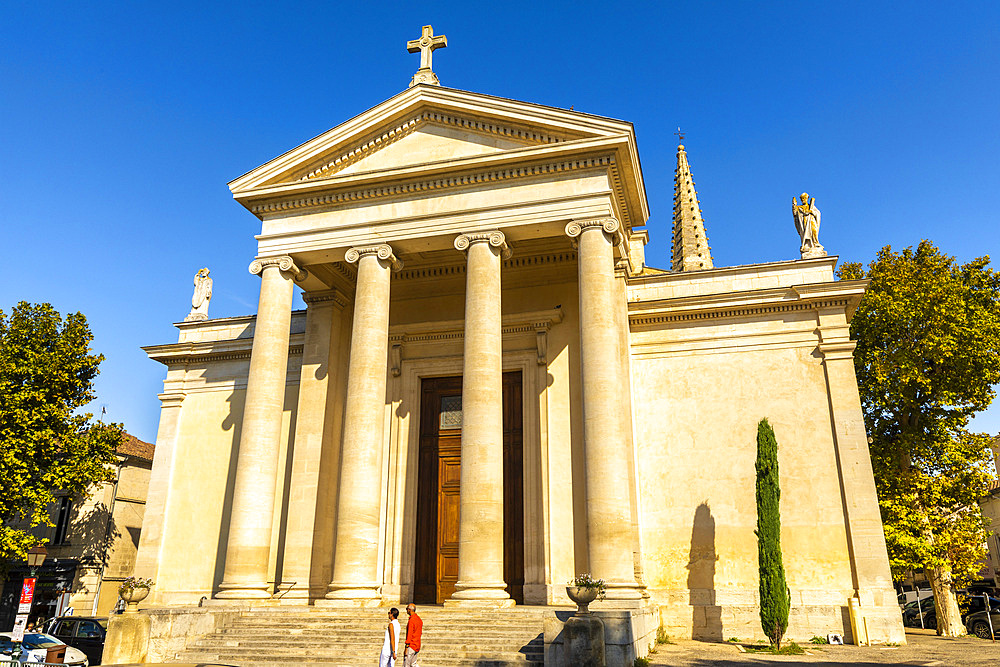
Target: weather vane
x=680 y=135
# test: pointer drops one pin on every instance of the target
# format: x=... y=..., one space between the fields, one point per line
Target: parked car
x=967 y=605
x=83 y=632
x=970 y=604
x=911 y=616
x=977 y=624
x=35 y=647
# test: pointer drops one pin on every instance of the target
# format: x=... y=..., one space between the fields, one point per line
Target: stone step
x=437 y=622
x=353 y=647
x=429 y=618
x=433 y=612
x=436 y=618
x=229 y=657
x=310 y=633
x=367 y=656
x=301 y=634
x=267 y=645
x=333 y=637
x=368 y=660
x=438 y=655
x=264 y=640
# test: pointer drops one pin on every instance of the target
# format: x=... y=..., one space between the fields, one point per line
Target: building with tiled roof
x=990 y=505
x=133 y=446
x=92 y=544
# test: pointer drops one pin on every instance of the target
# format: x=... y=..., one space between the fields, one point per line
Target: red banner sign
x=28 y=590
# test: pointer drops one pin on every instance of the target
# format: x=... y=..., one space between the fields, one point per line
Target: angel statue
x=807 y=225
x=202 y=295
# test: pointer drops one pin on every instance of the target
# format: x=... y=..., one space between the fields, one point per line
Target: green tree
x=46 y=373
x=775 y=599
x=928 y=355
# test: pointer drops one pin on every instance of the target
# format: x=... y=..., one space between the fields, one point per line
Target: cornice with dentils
x=536 y=117
x=573 y=133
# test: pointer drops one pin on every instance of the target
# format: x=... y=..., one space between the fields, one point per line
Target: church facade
x=489 y=392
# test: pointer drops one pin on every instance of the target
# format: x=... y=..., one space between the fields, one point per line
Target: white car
x=35 y=647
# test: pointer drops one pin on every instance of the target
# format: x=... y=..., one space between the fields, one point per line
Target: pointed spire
x=691 y=251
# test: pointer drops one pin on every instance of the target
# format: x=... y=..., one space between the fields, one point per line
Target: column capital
x=576 y=227
x=383 y=251
x=837 y=350
x=324 y=296
x=171 y=399
x=495 y=238
x=283 y=262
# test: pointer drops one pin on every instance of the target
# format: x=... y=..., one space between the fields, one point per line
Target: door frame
x=439 y=446
x=403 y=415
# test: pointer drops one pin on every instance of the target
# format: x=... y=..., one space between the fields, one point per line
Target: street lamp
x=35 y=557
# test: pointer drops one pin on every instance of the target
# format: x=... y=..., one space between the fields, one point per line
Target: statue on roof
x=202 y=295
x=807 y=217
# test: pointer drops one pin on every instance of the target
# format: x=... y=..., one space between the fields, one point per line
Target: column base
x=287 y=594
x=347 y=603
x=622 y=595
x=243 y=591
x=351 y=595
x=479 y=604
x=493 y=595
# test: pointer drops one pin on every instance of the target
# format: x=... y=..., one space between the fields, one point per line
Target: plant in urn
x=583 y=590
x=133 y=591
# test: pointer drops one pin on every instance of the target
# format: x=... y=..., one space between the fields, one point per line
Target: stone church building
x=490 y=392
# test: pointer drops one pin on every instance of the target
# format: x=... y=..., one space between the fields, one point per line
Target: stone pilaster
x=355 y=562
x=248 y=550
x=609 y=514
x=147 y=560
x=865 y=536
x=312 y=497
x=480 y=546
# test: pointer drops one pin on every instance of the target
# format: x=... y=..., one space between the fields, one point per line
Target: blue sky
x=121 y=123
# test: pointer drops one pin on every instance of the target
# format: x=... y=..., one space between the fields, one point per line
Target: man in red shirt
x=414 y=628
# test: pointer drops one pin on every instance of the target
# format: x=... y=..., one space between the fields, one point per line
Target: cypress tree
x=775 y=599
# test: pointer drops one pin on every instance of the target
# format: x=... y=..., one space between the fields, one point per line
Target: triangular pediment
x=429 y=137
x=425 y=125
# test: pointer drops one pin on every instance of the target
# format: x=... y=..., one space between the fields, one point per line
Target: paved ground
x=923 y=648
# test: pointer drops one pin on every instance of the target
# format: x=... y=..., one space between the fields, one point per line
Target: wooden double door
x=439 y=475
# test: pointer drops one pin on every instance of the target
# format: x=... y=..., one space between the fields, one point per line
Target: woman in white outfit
x=388 y=655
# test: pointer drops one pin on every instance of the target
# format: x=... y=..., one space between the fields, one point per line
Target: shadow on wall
x=706 y=615
x=96 y=532
x=232 y=422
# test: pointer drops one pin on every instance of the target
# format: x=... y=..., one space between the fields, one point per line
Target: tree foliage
x=927 y=357
x=775 y=599
x=46 y=374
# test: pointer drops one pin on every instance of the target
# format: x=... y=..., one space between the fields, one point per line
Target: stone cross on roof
x=426 y=45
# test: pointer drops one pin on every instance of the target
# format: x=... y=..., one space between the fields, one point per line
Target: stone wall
x=707 y=366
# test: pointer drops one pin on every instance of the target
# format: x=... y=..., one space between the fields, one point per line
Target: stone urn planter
x=132 y=599
x=132 y=592
x=582 y=596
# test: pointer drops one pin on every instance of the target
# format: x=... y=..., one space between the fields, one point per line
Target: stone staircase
x=353 y=637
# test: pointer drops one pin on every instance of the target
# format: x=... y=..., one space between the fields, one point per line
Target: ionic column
x=249 y=546
x=480 y=527
x=355 y=561
x=609 y=513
